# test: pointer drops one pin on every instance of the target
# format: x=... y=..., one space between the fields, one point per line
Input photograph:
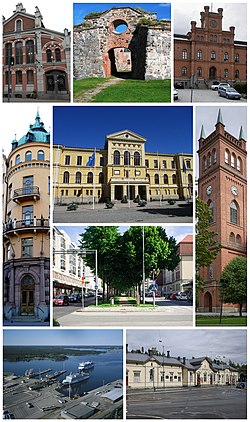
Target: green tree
x=207 y=247
x=233 y=287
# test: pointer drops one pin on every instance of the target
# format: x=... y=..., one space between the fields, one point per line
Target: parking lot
x=209 y=402
x=203 y=96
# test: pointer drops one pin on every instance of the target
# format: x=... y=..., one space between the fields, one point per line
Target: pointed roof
x=126 y=135
x=203 y=134
x=219 y=118
x=241 y=135
x=36 y=133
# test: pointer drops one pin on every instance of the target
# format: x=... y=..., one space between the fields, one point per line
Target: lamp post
x=163 y=354
x=143 y=264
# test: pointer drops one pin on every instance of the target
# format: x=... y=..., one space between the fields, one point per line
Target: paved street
x=188 y=403
x=204 y=96
x=60 y=311
x=153 y=212
x=166 y=313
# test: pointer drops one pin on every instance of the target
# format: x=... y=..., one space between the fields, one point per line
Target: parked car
x=157 y=293
x=182 y=296
x=72 y=207
x=222 y=85
x=229 y=93
x=215 y=85
x=29 y=404
x=240 y=384
x=168 y=295
x=179 y=85
x=61 y=300
x=174 y=296
x=75 y=297
x=175 y=94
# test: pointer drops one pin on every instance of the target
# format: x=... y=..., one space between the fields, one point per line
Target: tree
x=207 y=247
x=233 y=286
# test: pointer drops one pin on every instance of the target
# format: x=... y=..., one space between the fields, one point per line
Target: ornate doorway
x=27 y=295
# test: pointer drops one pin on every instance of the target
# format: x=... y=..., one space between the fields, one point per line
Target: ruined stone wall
x=158 y=54
x=87 y=54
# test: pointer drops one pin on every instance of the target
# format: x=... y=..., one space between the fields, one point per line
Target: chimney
x=184 y=360
x=179 y=358
x=168 y=353
x=126 y=348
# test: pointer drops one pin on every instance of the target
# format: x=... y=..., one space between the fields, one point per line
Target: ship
x=73 y=378
x=86 y=365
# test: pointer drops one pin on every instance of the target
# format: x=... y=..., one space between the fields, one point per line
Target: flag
x=184 y=166
x=91 y=160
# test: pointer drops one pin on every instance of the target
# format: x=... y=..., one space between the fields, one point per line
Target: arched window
x=78 y=178
x=238 y=239
x=165 y=179
x=199 y=71
x=101 y=177
x=58 y=54
x=190 y=179
x=234 y=213
x=18 y=25
x=40 y=155
x=28 y=156
x=117 y=157
x=157 y=180
x=237 y=73
x=215 y=38
x=148 y=177
x=213 y=55
x=226 y=73
x=66 y=177
x=184 y=71
x=227 y=156
x=18 y=159
x=137 y=159
x=30 y=77
x=19 y=52
x=90 y=177
x=19 y=77
x=49 y=55
x=214 y=155
x=209 y=159
x=239 y=164
x=174 y=179
x=8 y=53
x=30 y=52
x=232 y=237
x=211 y=209
x=199 y=55
x=184 y=54
x=226 y=56
x=127 y=158
x=237 y=58
x=233 y=158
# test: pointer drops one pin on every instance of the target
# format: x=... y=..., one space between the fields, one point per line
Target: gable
x=125 y=135
x=10 y=24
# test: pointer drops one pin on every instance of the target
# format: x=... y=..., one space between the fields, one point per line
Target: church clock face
x=213 y=23
x=209 y=190
x=234 y=190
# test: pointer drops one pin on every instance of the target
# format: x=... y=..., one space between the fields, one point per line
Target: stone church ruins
x=140 y=51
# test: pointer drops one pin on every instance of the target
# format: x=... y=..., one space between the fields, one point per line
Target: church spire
x=241 y=135
x=203 y=134
x=219 y=118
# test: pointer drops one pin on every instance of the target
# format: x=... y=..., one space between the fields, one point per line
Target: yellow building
x=121 y=168
x=26 y=227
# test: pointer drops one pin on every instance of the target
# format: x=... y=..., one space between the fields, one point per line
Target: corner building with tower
x=26 y=228
x=223 y=186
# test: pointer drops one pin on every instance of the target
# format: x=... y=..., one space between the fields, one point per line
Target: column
x=41 y=299
x=112 y=192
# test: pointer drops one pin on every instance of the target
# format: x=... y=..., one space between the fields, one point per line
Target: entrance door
x=208 y=302
x=55 y=81
x=212 y=73
x=27 y=296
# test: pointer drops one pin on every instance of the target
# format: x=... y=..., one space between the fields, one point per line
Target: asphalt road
x=153 y=212
x=204 y=96
x=193 y=403
x=60 y=311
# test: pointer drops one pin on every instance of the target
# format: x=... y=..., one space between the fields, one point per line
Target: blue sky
x=168 y=129
x=80 y=10
x=59 y=337
x=179 y=232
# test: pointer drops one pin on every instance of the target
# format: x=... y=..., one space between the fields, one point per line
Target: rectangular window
x=173 y=164
x=27 y=214
x=74 y=192
x=164 y=164
x=27 y=247
x=79 y=161
x=101 y=161
x=188 y=164
x=19 y=77
x=87 y=192
x=156 y=164
x=66 y=192
x=137 y=376
x=67 y=160
x=146 y=163
x=171 y=376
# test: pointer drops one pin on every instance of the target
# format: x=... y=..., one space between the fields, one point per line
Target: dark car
x=75 y=297
x=168 y=295
x=72 y=207
x=61 y=300
x=229 y=93
x=240 y=384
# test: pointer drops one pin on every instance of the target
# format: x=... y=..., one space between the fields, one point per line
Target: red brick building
x=36 y=60
x=223 y=186
x=209 y=53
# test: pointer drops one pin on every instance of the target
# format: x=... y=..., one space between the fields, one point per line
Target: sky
x=15 y=122
x=163 y=10
x=168 y=129
x=193 y=342
x=56 y=14
x=60 y=337
x=179 y=232
x=234 y=14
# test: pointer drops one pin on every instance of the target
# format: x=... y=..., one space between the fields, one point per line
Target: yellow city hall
x=121 y=169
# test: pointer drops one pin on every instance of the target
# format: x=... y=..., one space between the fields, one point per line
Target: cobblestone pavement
x=154 y=212
x=204 y=96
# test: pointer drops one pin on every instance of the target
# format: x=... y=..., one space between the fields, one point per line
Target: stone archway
x=120 y=62
x=208 y=302
x=212 y=72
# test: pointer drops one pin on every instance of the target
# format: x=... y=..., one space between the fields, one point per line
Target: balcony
x=26 y=194
x=34 y=224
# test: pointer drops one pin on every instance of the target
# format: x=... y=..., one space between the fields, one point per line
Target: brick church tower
x=223 y=186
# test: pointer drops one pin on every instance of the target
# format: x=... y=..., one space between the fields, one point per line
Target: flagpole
x=94 y=180
x=128 y=188
x=159 y=176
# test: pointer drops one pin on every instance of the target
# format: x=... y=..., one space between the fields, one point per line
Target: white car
x=175 y=94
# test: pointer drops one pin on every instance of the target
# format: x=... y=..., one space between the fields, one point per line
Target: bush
x=137 y=199
x=171 y=201
x=124 y=200
x=241 y=87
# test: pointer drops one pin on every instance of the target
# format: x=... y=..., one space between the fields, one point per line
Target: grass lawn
x=127 y=90
x=226 y=320
x=83 y=85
